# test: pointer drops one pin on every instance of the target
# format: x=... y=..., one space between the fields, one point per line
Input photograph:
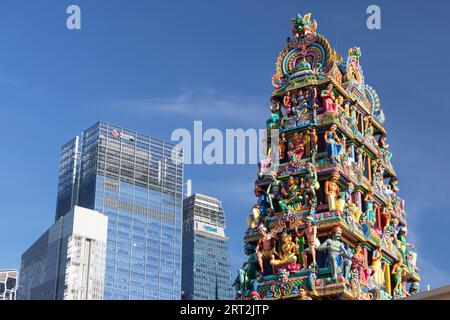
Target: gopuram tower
x=328 y=222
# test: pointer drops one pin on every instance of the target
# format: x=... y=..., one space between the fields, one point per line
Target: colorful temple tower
x=328 y=222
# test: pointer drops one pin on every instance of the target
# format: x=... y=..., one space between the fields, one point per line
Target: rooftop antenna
x=188 y=188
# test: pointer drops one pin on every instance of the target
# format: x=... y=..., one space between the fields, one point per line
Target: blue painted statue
x=336 y=252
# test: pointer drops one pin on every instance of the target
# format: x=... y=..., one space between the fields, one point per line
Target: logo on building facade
x=122 y=135
x=204 y=227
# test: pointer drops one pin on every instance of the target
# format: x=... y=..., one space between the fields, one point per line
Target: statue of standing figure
x=312 y=183
x=312 y=142
x=332 y=191
x=312 y=103
x=335 y=250
x=369 y=209
x=310 y=232
x=287 y=102
x=247 y=272
x=334 y=144
x=266 y=246
x=397 y=271
x=378 y=275
x=328 y=100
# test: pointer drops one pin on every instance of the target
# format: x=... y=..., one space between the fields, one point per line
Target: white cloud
x=202 y=104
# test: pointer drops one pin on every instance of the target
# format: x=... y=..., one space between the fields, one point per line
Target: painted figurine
x=332 y=191
x=378 y=276
x=359 y=262
x=312 y=137
x=328 y=97
x=334 y=143
x=263 y=201
x=287 y=256
x=312 y=183
x=336 y=251
x=287 y=102
x=265 y=247
x=254 y=218
x=354 y=282
x=397 y=272
x=282 y=146
x=369 y=210
x=312 y=96
x=297 y=144
x=291 y=197
x=304 y=294
x=310 y=232
x=360 y=159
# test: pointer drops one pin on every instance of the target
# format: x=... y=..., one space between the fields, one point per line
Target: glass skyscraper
x=206 y=266
x=137 y=182
x=68 y=261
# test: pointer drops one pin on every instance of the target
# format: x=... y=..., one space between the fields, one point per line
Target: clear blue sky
x=154 y=66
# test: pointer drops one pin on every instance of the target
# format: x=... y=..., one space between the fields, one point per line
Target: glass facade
x=68 y=261
x=67 y=178
x=206 y=266
x=8 y=283
x=132 y=179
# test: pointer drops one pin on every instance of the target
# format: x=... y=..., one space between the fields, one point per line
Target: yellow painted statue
x=288 y=252
x=332 y=191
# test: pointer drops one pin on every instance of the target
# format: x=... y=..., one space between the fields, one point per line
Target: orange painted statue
x=332 y=191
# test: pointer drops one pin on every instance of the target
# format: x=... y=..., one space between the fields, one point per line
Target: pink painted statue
x=328 y=104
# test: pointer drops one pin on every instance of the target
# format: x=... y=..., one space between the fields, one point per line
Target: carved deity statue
x=312 y=183
x=334 y=143
x=287 y=103
x=378 y=275
x=359 y=262
x=310 y=232
x=332 y=191
x=265 y=247
x=291 y=196
x=311 y=134
x=369 y=210
x=282 y=146
x=334 y=249
x=288 y=252
x=397 y=271
x=297 y=144
x=328 y=97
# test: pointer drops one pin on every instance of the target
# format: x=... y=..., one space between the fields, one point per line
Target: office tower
x=132 y=179
x=206 y=267
x=68 y=261
x=328 y=222
x=68 y=178
x=8 y=284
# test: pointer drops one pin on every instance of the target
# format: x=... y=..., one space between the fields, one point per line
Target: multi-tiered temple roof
x=328 y=220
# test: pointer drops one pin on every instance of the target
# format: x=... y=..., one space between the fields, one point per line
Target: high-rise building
x=68 y=261
x=206 y=266
x=8 y=284
x=137 y=181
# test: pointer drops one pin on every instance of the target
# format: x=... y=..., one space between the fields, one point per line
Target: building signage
x=208 y=228
x=122 y=135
